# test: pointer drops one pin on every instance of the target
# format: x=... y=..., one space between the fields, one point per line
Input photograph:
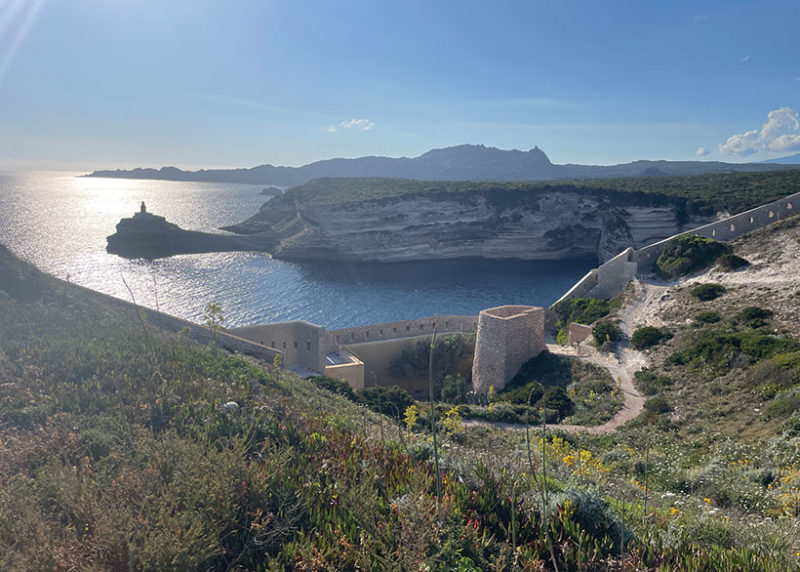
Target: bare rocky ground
x=772 y=280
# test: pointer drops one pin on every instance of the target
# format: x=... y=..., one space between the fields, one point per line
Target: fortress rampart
x=508 y=336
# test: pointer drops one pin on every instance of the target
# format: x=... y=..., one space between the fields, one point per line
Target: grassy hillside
x=126 y=448
x=698 y=194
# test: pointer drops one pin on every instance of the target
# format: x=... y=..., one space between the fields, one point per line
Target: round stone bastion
x=507 y=337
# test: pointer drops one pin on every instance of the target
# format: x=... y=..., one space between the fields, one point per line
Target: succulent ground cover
x=124 y=447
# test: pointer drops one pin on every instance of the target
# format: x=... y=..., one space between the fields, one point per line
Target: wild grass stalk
x=433 y=426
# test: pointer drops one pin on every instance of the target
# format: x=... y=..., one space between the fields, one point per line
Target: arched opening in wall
x=352 y=336
x=733 y=227
x=284 y=345
x=295 y=344
x=422 y=326
x=308 y=345
x=381 y=331
x=366 y=335
x=394 y=330
x=408 y=328
x=434 y=325
x=771 y=214
x=272 y=344
x=446 y=324
x=337 y=338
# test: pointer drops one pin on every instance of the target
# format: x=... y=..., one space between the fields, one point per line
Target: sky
x=94 y=84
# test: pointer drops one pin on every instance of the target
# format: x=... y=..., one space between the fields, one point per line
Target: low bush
x=706 y=292
x=689 y=253
x=753 y=316
x=604 y=332
x=649 y=383
x=391 y=401
x=581 y=311
x=658 y=404
x=708 y=317
x=333 y=385
x=648 y=336
x=724 y=349
x=731 y=262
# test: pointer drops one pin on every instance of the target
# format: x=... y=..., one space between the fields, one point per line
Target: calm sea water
x=59 y=222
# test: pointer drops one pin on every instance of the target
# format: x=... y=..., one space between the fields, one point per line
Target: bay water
x=59 y=222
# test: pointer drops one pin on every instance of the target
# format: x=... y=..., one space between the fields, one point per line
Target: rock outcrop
x=146 y=235
x=490 y=224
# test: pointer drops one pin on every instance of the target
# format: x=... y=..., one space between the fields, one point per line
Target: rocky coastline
x=145 y=235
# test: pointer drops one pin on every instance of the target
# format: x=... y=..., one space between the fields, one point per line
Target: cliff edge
x=391 y=220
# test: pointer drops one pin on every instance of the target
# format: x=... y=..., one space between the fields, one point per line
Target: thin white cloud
x=781 y=132
x=745 y=59
x=701 y=18
x=701 y=151
x=359 y=124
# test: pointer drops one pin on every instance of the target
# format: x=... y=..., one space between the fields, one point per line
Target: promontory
x=396 y=220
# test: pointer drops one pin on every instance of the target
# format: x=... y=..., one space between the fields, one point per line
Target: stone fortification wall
x=578 y=333
x=351 y=371
x=727 y=229
x=609 y=279
x=397 y=330
x=507 y=337
x=300 y=342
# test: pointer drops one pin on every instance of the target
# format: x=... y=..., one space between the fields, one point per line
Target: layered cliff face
x=554 y=225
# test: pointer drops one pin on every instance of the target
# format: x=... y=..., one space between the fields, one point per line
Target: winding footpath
x=622 y=365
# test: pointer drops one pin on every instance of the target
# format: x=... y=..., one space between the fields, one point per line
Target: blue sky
x=88 y=84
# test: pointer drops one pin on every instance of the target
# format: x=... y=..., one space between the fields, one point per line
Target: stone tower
x=508 y=336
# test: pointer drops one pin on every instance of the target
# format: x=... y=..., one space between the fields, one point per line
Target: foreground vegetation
x=127 y=448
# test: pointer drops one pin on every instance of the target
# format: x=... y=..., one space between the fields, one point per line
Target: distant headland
x=459 y=163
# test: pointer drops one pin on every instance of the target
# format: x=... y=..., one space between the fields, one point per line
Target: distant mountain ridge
x=790 y=160
x=459 y=163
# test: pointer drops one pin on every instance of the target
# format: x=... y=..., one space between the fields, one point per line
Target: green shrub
x=606 y=332
x=706 y=292
x=448 y=351
x=649 y=383
x=721 y=349
x=546 y=368
x=753 y=316
x=581 y=311
x=391 y=401
x=689 y=253
x=731 y=262
x=333 y=385
x=648 y=336
x=708 y=317
x=454 y=389
x=657 y=404
x=557 y=399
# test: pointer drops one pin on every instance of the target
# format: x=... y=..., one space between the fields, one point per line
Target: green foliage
x=692 y=194
x=730 y=262
x=454 y=389
x=724 y=349
x=546 y=368
x=657 y=404
x=448 y=351
x=649 y=336
x=556 y=399
x=392 y=401
x=606 y=332
x=212 y=316
x=753 y=316
x=581 y=311
x=333 y=385
x=649 y=383
x=706 y=292
x=689 y=253
x=708 y=317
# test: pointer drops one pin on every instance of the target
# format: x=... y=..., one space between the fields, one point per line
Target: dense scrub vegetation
x=581 y=311
x=688 y=253
x=127 y=448
x=693 y=194
x=649 y=336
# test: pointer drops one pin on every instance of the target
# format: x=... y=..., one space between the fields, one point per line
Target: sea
x=59 y=222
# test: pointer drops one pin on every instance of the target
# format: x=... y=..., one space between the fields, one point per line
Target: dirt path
x=622 y=365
